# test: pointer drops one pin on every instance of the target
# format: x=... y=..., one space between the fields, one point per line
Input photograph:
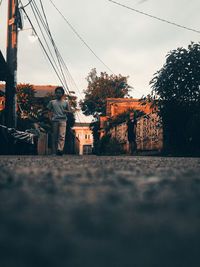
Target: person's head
x=59 y=92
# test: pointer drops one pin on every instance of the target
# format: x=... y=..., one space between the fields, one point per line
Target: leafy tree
x=123 y=117
x=95 y=128
x=99 y=89
x=26 y=98
x=176 y=89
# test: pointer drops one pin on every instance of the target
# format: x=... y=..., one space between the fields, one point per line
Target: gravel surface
x=99 y=211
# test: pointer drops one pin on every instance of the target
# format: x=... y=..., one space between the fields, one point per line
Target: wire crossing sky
x=128 y=42
x=41 y=19
x=154 y=17
x=80 y=37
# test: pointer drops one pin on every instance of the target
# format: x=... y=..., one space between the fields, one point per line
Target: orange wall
x=116 y=106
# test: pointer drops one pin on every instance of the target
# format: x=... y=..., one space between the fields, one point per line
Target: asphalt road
x=99 y=211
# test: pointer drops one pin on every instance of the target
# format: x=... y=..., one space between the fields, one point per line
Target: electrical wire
x=57 y=52
x=154 y=17
x=42 y=45
x=27 y=4
x=46 y=27
x=80 y=37
x=59 y=57
x=39 y=19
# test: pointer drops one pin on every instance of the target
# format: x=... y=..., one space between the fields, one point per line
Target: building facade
x=149 y=133
x=85 y=137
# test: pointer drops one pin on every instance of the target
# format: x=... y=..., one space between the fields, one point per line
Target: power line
x=38 y=17
x=80 y=37
x=59 y=57
x=45 y=25
x=154 y=17
x=27 y=4
x=60 y=60
x=42 y=45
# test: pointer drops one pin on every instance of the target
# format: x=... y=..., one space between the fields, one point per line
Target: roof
x=40 y=90
x=115 y=106
x=43 y=90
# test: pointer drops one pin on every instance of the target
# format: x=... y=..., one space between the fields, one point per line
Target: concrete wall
x=149 y=133
x=85 y=137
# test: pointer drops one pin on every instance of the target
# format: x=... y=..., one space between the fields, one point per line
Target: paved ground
x=99 y=211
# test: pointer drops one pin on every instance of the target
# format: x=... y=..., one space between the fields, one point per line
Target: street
x=99 y=211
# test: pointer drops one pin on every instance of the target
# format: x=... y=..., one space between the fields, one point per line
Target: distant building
x=116 y=106
x=85 y=137
x=40 y=90
x=44 y=90
x=149 y=133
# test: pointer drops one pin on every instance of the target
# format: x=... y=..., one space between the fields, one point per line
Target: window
x=86 y=136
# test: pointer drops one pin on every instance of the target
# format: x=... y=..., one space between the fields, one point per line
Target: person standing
x=131 y=130
x=59 y=108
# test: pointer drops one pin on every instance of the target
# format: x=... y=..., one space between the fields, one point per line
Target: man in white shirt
x=60 y=108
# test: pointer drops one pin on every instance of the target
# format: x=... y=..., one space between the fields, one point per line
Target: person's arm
x=68 y=109
x=46 y=109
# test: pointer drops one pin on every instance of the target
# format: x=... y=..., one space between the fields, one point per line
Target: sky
x=129 y=43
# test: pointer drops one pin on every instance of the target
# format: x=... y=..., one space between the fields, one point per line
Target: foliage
x=95 y=128
x=123 y=117
x=176 y=88
x=99 y=89
x=109 y=146
x=26 y=98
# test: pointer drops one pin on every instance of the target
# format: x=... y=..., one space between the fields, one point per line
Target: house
x=85 y=137
x=149 y=133
x=116 y=106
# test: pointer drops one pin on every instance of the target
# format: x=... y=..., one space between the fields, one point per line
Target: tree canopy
x=179 y=79
x=176 y=88
x=26 y=98
x=99 y=89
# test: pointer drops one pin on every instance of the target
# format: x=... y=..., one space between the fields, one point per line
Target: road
x=99 y=211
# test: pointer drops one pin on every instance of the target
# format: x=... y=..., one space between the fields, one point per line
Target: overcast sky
x=129 y=43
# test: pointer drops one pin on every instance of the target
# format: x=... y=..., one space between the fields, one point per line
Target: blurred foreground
x=99 y=211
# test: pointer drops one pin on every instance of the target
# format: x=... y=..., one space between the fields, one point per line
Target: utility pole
x=11 y=82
